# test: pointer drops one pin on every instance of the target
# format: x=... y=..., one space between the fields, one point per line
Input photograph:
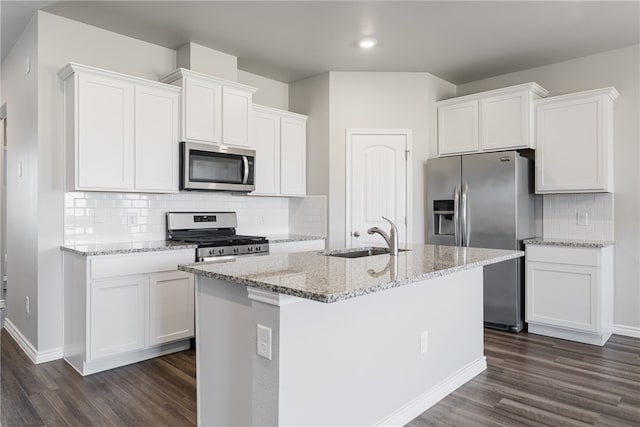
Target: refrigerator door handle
x=456 y=216
x=464 y=207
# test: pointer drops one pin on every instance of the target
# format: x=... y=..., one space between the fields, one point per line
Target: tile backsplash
x=307 y=215
x=94 y=217
x=560 y=216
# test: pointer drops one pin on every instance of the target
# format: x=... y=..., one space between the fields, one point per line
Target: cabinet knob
x=356 y=234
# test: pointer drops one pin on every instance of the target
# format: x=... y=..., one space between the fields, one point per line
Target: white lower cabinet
x=117 y=316
x=569 y=292
x=171 y=306
x=125 y=308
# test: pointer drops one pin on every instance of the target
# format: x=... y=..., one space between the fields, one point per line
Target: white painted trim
x=532 y=87
x=28 y=348
x=270 y=297
x=271 y=110
x=2 y=304
x=426 y=400
x=627 y=331
x=408 y=134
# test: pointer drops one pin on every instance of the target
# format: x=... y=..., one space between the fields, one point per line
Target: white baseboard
x=426 y=400
x=627 y=331
x=26 y=346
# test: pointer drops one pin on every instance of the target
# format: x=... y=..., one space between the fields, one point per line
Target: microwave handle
x=246 y=169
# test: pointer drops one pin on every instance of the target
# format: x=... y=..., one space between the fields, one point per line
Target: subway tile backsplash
x=94 y=217
x=560 y=216
x=307 y=215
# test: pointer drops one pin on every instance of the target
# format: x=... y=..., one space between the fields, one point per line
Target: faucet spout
x=391 y=239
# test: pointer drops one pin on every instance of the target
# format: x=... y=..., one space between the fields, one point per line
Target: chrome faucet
x=392 y=240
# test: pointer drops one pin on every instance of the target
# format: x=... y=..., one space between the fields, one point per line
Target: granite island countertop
x=575 y=243
x=285 y=238
x=95 y=249
x=315 y=276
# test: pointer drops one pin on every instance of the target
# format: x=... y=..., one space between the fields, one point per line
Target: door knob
x=356 y=234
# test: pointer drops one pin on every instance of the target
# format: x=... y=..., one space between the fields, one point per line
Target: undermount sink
x=359 y=253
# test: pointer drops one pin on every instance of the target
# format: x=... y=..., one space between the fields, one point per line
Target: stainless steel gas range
x=215 y=235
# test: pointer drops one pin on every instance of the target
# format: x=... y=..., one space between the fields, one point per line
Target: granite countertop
x=576 y=243
x=126 y=247
x=317 y=277
x=284 y=238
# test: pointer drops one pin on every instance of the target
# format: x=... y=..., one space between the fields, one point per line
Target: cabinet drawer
x=140 y=263
x=563 y=255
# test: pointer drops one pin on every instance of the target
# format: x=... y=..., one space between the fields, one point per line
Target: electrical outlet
x=424 y=342
x=132 y=219
x=26 y=304
x=583 y=218
x=264 y=342
x=261 y=219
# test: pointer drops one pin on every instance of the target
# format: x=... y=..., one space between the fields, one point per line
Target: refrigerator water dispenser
x=443 y=217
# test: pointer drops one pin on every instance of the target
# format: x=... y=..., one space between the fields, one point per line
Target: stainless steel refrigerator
x=486 y=201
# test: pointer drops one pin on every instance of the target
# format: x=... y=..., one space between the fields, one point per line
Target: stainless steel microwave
x=216 y=168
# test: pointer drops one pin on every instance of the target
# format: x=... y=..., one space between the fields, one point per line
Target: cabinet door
x=171 y=307
x=156 y=139
x=505 y=122
x=573 y=145
x=202 y=111
x=104 y=147
x=293 y=157
x=236 y=117
x=563 y=295
x=117 y=316
x=266 y=140
x=458 y=128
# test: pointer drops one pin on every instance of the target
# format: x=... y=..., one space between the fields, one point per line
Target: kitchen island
x=315 y=339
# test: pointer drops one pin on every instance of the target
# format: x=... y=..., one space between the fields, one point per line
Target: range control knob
x=220 y=251
x=211 y=252
x=250 y=248
x=236 y=250
x=258 y=248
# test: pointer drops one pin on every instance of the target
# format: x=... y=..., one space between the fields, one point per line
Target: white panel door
x=236 y=117
x=377 y=186
x=266 y=141
x=293 y=157
x=104 y=150
x=117 y=316
x=563 y=295
x=202 y=111
x=156 y=139
x=505 y=122
x=458 y=130
x=171 y=307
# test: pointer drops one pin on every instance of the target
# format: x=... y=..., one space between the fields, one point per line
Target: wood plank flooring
x=531 y=381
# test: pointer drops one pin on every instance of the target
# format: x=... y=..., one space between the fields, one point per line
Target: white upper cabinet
x=293 y=156
x=202 y=111
x=266 y=142
x=156 y=139
x=501 y=119
x=214 y=110
x=574 y=137
x=280 y=140
x=121 y=132
x=458 y=128
x=103 y=114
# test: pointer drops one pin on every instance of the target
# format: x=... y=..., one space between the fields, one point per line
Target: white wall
x=382 y=100
x=271 y=93
x=208 y=61
x=619 y=68
x=19 y=91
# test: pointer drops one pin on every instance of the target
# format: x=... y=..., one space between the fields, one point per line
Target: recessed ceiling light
x=367 y=42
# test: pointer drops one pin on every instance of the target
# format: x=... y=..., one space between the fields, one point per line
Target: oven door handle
x=246 y=170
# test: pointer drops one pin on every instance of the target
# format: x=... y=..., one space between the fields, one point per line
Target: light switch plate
x=264 y=342
x=583 y=218
x=424 y=342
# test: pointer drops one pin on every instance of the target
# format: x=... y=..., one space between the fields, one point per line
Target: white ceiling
x=290 y=40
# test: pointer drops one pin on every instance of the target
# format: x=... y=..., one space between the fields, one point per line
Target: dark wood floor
x=531 y=381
